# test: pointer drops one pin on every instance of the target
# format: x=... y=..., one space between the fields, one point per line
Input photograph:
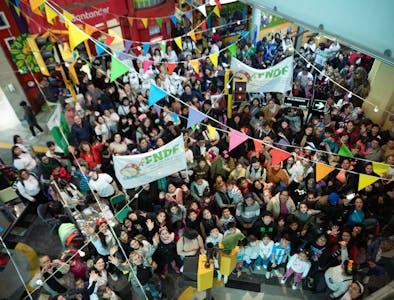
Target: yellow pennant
x=211 y=132
x=67 y=17
x=192 y=35
x=35 y=6
x=18 y=11
x=75 y=35
x=50 y=13
x=380 y=168
x=145 y=22
x=322 y=170
x=214 y=59
x=73 y=73
x=65 y=51
x=178 y=42
x=366 y=180
x=117 y=38
x=216 y=11
x=195 y=65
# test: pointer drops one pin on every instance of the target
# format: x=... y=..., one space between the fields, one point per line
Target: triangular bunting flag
x=366 y=180
x=75 y=35
x=214 y=59
x=130 y=19
x=89 y=29
x=171 y=67
x=163 y=47
x=257 y=146
x=322 y=170
x=155 y=94
x=146 y=47
x=195 y=65
x=117 y=68
x=127 y=45
x=175 y=118
x=232 y=49
x=147 y=64
x=195 y=117
x=109 y=39
x=7 y=2
x=244 y=34
x=178 y=42
x=18 y=11
x=380 y=168
x=189 y=15
x=18 y=3
x=279 y=156
x=50 y=13
x=122 y=55
x=67 y=17
x=100 y=48
x=159 y=21
x=174 y=20
x=158 y=109
x=203 y=25
x=145 y=22
x=203 y=10
x=35 y=5
x=344 y=151
x=216 y=11
x=117 y=38
x=211 y=132
x=218 y=4
x=236 y=138
x=192 y=35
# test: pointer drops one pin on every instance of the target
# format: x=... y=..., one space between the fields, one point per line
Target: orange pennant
x=322 y=170
x=195 y=65
x=89 y=29
x=145 y=22
x=130 y=21
x=257 y=146
x=278 y=156
x=171 y=67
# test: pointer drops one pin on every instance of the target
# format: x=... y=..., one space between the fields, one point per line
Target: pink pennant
x=236 y=138
x=147 y=64
x=279 y=156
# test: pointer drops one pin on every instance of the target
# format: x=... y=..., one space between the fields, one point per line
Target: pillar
x=254 y=31
x=381 y=78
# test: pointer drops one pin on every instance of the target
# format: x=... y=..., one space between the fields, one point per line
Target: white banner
x=278 y=78
x=139 y=169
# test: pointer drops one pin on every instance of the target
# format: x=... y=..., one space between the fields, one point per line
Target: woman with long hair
x=23 y=160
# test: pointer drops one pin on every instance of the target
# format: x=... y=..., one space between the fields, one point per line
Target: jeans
x=253 y=262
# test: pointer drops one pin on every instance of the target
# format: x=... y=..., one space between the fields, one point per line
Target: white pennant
x=203 y=10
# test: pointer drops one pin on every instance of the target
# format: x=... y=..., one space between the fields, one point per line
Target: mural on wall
x=141 y=4
x=22 y=55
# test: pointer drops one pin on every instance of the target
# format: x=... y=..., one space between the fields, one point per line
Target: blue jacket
x=81 y=133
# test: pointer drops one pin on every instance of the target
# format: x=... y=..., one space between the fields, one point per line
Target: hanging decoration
x=178 y=42
x=171 y=67
x=155 y=94
x=278 y=156
x=117 y=68
x=344 y=151
x=174 y=20
x=203 y=9
x=195 y=117
x=214 y=59
x=35 y=6
x=145 y=22
x=211 y=132
x=75 y=35
x=366 y=180
x=192 y=35
x=233 y=49
x=380 y=168
x=322 y=170
x=146 y=47
x=195 y=65
x=159 y=21
x=236 y=138
x=216 y=11
x=50 y=14
x=147 y=64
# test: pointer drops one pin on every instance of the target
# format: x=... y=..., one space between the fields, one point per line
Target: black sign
x=318 y=105
x=296 y=102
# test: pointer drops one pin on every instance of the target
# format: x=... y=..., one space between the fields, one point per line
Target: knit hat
x=333 y=198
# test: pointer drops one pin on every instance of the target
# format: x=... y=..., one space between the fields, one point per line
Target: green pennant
x=233 y=49
x=163 y=47
x=159 y=21
x=344 y=151
x=117 y=68
x=7 y=2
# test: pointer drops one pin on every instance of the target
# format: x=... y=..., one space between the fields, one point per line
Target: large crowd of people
x=324 y=236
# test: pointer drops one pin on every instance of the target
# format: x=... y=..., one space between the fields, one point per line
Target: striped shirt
x=280 y=253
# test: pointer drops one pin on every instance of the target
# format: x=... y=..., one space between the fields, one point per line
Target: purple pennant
x=122 y=56
x=195 y=117
x=158 y=109
x=188 y=15
x=127 y=45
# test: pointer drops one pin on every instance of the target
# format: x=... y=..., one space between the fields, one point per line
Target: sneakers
x=283 y=280
x=267 y=275
x=294 y=286
x=277 y=273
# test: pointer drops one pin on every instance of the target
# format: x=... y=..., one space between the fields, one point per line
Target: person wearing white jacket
x=299 y=265
x=266 y=246
x=252 y=253
x=29 y=187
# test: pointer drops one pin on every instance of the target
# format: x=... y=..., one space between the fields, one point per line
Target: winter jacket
x=298 y=265
x=274 y=205
x=337 y=281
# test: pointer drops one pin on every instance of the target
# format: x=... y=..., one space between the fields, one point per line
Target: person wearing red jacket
x=91 y=154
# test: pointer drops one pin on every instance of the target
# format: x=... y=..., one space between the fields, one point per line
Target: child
x=215 y=237
x=231 y=229
x=240 y=258
x=298 y=264
x=252 y=253
x=266 y=250
x=226 y=218
x=280 y=253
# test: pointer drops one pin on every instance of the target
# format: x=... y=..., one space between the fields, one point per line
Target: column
x=381 y=78
x=254 y=30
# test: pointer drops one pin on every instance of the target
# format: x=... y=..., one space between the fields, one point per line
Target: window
x=9 y=41
x=3 y=21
